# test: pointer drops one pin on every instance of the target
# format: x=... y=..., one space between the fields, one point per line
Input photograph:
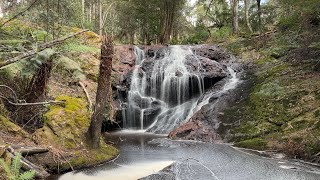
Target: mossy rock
x=256 y=143
x=69 y=67
x=77 y=159
x=92 y=157
x=8 y=126
x=65 y=126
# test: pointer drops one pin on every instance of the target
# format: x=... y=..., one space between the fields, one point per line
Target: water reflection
x=137 y=159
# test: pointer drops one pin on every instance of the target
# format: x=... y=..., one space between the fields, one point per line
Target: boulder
x=212 y=52
x=197 y=128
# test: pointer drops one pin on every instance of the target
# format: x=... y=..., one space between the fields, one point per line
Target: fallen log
x=27 y=165
x=41 y=48
x=25 y=151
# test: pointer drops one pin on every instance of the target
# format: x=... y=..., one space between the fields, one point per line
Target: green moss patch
x=65 y=126
x=256 y=143
x=69 y=68
x=92 y=157
x=64 y=129
x=8 y=126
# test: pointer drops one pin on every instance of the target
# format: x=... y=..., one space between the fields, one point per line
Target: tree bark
x=100 y=110
x=246 y=7
x=100 y=19
x=235 y=16
x=259 y=12
x=83 y=10
x=167 y=20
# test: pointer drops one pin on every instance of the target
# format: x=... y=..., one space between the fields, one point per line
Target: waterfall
x=166 y=91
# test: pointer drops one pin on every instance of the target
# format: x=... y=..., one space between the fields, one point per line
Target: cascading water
x=167 y=90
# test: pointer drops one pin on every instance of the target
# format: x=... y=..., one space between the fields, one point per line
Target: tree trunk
x=2 y=8
x=167 y=21
x=38 y=85
x=100 y=19
x=83 y=10
x=235 y=16
x=259 y=12
x=100 y=110
x=28 y=116
x=246 y=7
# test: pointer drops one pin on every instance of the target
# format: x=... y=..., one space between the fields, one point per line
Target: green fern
x=5 y=166
x=13 y=172
x=16 y=165
x=29 y=175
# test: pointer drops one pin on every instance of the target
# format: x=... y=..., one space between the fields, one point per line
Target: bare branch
x=19 y=14
x=42 y=47
x=31 y=104
x=13 y=92
x=87 y=94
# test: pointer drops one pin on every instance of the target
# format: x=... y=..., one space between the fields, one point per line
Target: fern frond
x=28 y=175
x=5 y=167
x=16 y=165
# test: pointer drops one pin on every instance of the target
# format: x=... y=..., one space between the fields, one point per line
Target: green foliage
x=80 y=48
x=41 y=35
x=221 y=33
x=256 y=143
x=13 y=171
x=200 y=35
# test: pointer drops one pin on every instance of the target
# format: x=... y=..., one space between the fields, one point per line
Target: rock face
x=197 y=128
x=168 y=88
x=212 y=52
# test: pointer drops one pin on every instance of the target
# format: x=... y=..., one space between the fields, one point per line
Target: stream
x=172 y=86
x=143 y=154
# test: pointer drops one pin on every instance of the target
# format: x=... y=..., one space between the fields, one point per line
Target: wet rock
x=195 y=130
x=212 y=52
x=150 y=114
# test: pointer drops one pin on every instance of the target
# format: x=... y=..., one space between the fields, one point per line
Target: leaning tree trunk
x=235 y=16
x=100 y=110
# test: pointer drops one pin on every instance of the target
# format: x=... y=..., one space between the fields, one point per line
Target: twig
x=14 y=93
x=67 y=161
x=31 y=119
x=20 y=13
x=41 y=48
x=87 y=94
x=31 y=104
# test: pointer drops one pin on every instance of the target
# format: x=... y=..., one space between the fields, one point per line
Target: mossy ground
x=64 y=128
x=283 y=108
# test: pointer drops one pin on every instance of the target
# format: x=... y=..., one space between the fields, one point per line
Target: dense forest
x=67 y=66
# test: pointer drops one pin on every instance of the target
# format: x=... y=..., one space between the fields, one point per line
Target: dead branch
x=25 y=151
x=20 y=13
x=87 y=94
x=13 y=92
x=67 y=161
x=41 y=48
x=31 y=104
x=27 y=165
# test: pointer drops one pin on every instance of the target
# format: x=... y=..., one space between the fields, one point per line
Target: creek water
x=142 y=154
x=174 y=92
